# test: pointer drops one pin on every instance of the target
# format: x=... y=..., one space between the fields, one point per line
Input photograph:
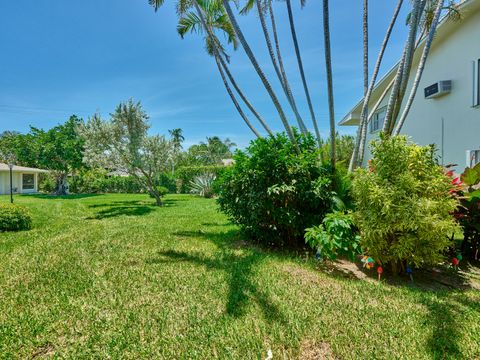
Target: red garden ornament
x=455 y=263
x=379 y=272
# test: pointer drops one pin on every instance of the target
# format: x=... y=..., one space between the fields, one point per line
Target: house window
x=376 y=122
x=28 y=182
x=476 y=83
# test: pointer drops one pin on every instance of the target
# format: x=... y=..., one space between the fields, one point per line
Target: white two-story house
x=446 y=109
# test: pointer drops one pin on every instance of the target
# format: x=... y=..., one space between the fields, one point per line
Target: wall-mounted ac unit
x=438 y=89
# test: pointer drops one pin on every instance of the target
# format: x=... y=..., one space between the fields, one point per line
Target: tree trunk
x=404 y=68
x=281 y=78
x=234 y=100
x=302 y=72
x=218 y=60
x=421 y=66
x=61 y=184
x=242 y=95
x=259 y=71
x=328 y=62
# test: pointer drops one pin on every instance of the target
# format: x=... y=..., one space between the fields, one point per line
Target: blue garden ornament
x=409 y=272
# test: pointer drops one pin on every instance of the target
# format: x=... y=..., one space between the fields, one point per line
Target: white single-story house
x=446 y=109
x=24 y=179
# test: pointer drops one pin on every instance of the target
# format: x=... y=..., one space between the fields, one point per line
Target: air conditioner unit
x=438 y=89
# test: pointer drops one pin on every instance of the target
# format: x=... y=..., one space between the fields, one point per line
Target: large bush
x=98 y=181
x=14 y=218
x=276 y=190
x=403 y=204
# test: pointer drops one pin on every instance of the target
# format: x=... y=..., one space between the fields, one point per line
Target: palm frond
x=156 y=3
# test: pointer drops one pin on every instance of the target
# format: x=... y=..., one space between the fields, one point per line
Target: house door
x=28 y=182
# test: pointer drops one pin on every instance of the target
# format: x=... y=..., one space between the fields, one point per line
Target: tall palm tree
x=328 y=64
x=177 y=139
x=190 y=21
x=421 y=65
x=258 y=69
x=359 y=150
x=302 y=72
x=215 y=18
x=261 y=9
x=404 y=67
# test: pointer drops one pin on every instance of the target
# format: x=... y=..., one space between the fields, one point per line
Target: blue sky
x=60 y=58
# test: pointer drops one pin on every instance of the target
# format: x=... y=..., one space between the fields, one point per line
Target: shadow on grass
x=239 y=268
x=63 y=197
x=122 y=208
x=440 y=290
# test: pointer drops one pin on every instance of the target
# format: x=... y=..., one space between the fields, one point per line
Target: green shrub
x=336 y=236
x=186 y=174
x=96 y=181
x=203 y=185
x=14 y=218
x=46 y=183
x=274 y=191
x=403 y=205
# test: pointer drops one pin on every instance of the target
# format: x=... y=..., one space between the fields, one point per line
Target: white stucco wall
x=450 y=59
x=17 y=183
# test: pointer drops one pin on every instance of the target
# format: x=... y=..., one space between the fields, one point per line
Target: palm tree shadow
x=443 y=316
x=240 y=271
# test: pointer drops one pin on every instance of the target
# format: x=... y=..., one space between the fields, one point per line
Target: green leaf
x=471 y=176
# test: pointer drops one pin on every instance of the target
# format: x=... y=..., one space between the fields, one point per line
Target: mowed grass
x=111 y=276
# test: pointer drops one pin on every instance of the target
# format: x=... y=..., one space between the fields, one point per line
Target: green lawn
x=113 y=277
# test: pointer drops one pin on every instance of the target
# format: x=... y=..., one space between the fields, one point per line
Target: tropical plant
x=274 y=192
x=467 y=191
x=403 y=205
x=187 y=174
x=336 y=236
x=122 y=143
x=14 y=218
x=203 y=185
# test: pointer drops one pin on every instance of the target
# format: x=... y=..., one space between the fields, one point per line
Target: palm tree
x=421 y=66
x=215 y=18
x=404 y=67
x=177 y=138
x=302 y=72
x=328 y=63
x=258 y=70
x=279 y=72
x=359 y=150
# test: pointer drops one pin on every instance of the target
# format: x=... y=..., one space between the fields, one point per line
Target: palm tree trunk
x=242 y=95
x=258 y=69
x=404 y=68
x=218 y=60
x=421 y=66
x=302 y=72
x=234 y=100
x=328 y=63
x=282 y=79
x=359 y=150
